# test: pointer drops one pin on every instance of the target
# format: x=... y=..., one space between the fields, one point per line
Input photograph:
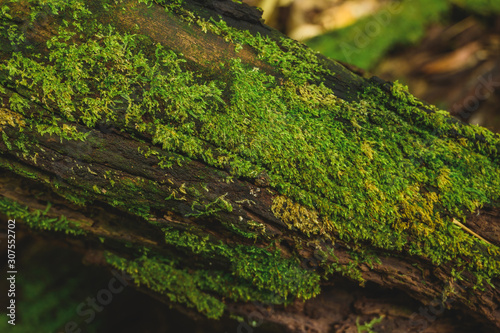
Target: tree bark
x=230 y=170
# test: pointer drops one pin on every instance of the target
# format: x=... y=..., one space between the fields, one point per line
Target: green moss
x=253 y=274
x=211 y=208
x=42 y=287
x=39 y=219
x=22 y=170
x=365 y=42
x=6 y=141
x=238 y=230
x=339 y=168
x=367 y=327
x=267 y=270
x=160 y=275
x=299 y=217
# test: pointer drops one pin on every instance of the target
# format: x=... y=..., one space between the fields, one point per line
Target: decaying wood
x=71 y=178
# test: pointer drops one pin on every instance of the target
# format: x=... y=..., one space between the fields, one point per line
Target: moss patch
x=39 y=219
x=380 y=170
x=251 y=273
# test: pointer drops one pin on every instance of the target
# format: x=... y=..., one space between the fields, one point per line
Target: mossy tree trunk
x=227 y=168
